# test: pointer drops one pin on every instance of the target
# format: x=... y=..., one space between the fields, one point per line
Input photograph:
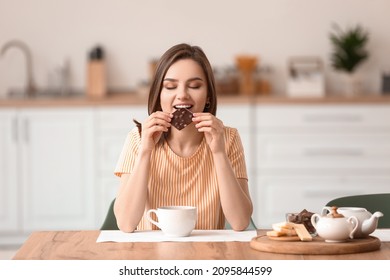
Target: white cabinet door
x=57 y=161
x=10 y=201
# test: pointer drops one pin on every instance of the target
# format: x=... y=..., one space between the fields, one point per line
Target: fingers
x=206 y=122
x=153 y=127
x=159 y=120
x=213 y=130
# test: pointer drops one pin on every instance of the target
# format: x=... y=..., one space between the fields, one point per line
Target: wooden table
x=78 y=245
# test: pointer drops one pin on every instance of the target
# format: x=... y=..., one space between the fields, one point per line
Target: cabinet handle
x=26 y=131
x=340 y=118
x=15 y=135
x=333 y=152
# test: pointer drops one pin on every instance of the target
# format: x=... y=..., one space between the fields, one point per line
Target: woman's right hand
x=153 y=127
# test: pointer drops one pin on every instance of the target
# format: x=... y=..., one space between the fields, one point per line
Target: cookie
x=181 y=118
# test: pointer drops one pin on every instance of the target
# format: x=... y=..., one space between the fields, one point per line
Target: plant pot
x=351 y=84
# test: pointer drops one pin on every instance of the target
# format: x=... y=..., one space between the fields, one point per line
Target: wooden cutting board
x=316 y=247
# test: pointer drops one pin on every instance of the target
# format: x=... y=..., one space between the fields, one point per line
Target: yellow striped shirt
x=175 y=180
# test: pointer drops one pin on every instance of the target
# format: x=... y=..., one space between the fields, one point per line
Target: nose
x=182 y=93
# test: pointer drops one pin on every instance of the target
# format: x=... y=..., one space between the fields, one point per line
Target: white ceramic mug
x=174 y=221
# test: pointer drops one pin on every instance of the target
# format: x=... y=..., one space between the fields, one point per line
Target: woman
x=201 y=165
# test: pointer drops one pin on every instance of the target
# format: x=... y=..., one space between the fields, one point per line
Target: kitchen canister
x=96 y=73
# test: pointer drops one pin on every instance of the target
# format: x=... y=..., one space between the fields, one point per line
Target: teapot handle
x=355 y=222
x=326 y=210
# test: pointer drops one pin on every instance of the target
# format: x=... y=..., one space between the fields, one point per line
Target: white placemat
x=158 y=236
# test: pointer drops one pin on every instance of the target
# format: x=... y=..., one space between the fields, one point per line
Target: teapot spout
x=371 y=224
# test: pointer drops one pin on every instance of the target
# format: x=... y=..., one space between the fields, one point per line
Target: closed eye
x=195 y=84
x=169 y=85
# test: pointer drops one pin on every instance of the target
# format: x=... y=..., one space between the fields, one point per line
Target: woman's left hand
x=213 y=130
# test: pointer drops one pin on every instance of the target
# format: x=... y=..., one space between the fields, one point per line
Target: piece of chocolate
x=181 y=118
x=304 y=217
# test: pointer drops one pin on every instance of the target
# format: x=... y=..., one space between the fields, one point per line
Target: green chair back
x=372 y=202
x=251 y=225
x=110 y=221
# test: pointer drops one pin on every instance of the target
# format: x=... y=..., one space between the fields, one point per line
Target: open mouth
x=183 y=106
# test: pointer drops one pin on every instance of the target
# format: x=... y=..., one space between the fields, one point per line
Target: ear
x=207 y=105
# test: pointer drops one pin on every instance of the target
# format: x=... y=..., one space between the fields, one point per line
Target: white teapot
x=334 y=227
x=367 y=222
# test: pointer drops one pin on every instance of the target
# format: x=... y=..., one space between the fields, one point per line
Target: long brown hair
x=172 y=55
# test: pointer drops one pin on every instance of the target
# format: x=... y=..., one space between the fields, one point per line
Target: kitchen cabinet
x=308 y=155
x=113 y=123
x=9 y=219
x=47 y=172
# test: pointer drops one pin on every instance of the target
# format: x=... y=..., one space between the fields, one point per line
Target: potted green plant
x=349 y=51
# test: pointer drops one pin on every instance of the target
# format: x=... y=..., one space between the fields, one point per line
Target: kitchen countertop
x=132 y=98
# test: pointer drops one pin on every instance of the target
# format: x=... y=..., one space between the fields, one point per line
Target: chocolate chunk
x=304 y=217
x=181 y=118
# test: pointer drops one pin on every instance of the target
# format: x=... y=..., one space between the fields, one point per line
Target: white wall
x=133 y=32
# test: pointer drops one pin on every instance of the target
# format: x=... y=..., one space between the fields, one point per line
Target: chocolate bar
x=181 y=118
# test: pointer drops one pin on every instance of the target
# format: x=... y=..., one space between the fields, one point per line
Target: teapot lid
x=334 y=214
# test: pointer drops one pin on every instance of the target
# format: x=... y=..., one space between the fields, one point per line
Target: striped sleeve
x=129 y=153
x=235 y=152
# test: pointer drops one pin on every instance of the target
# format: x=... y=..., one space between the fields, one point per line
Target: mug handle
x=149 y=218
x=354 y=221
